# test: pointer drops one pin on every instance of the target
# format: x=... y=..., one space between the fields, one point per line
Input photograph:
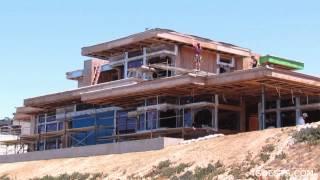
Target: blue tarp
x=100 y=120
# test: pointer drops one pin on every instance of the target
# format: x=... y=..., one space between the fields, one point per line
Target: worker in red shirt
x=197 y=57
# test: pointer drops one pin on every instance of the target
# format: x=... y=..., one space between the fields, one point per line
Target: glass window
x=51 y=144
x=40 y=146
x=271 y=120
x=135 y=63
x=204 y=98
x=41 y=129
x=140 y=125
x=151 y=101
x=152 y=119
x=41 y=118
x=271 y=104
x=186 y=100
x=288 y=102
x=288 y=118
x=51 y=127
x=187 y=118
x=60 y=126
x=51 y=116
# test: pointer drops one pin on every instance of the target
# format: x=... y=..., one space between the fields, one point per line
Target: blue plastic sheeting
x=125 y=124
x=101 y=120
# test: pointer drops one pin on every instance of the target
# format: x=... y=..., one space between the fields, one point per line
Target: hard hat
x=305 y=115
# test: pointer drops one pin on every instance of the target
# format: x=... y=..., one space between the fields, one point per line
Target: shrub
x=181 y=167
x=264 y=157
x=164 y=164
x=73 y=176
x=4 y=177
x=210 y=171
x=309 y=135
x=268 y=148
x=237 y=172
x=281 y=156
x=164 y=169
x=187 y=176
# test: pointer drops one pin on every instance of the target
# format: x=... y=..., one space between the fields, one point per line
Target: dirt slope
x=230 y=150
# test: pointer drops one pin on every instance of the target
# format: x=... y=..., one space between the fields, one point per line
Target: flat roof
x=158 y=36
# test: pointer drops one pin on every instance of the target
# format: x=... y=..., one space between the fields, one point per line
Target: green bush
x=187 y=176
x=264 y=157
x=181 y=167
x=164 y=164
x=281 y=156
x=73 y=176
x=268 y=148
x=309 y=135
x=164 y=169
x=4 y=177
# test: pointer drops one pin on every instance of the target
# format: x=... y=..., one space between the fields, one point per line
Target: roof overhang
x=74 y=95
x=239 y=83
x=236 y=84
x=154 y=37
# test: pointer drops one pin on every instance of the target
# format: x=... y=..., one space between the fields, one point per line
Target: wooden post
x=263 y=108
x=114 y=124
x=216 y=111
x=298 y=109
x=278 y=113
x=125 y=65
x=144 y=60
x=242 y=114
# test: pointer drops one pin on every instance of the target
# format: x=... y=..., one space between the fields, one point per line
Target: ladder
x=96 y=71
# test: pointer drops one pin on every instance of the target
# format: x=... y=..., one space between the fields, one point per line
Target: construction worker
x=197 y=57
x=302 y=119
x=254 y=62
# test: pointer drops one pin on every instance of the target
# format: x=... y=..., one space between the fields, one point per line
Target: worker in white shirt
x=302 y=118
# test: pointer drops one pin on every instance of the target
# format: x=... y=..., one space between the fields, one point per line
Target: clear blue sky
x=41 y=40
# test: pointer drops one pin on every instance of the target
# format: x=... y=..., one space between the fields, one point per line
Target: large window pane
x=51 y=127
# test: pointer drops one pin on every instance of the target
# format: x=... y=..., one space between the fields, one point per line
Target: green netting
x=281 y=62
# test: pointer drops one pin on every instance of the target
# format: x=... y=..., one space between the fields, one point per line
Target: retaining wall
x=93 y=150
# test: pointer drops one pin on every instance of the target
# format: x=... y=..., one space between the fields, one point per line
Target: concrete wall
x=94 y=150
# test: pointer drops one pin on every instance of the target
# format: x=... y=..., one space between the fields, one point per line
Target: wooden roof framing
x=234 y=84
x=158 y=36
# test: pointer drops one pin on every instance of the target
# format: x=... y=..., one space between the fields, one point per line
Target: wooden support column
x=125 y=65
x=242 y=114
x=216 y=111
x=145 y=115
x=217 y=64
x=158 y=115
x=176 y=51
x=263 y=108
x=278 y=113
x=114 y=124
x=144 y=61
x=298 y=109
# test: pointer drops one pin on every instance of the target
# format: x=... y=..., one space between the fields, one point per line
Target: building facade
x=145 y=86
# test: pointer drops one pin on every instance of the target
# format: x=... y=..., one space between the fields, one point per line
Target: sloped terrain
x=228 y=157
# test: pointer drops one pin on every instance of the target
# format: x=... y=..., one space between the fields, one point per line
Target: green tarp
x=286 y=63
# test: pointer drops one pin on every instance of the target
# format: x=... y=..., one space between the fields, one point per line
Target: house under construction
x=144 y=86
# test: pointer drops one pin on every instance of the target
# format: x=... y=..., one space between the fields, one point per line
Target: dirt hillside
x=238 y=154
